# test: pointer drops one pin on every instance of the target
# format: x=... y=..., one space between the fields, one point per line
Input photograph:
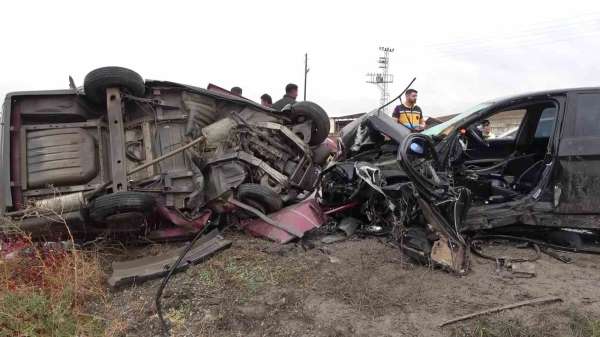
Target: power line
x=521 y=40
x=523 y=44
x=531 y=37
x=538 y=28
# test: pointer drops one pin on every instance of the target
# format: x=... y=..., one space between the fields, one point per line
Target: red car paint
x=185 y=227
x=300 y=217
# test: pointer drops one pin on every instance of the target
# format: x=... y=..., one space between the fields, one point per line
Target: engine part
x=218 y=131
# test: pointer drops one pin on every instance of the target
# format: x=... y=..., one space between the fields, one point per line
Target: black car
x=436 y=188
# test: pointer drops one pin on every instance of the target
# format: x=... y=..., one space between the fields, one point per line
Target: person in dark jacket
x=236 y=91
x=291 y=92
x=265 y=100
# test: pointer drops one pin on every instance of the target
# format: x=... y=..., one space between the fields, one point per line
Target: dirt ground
x=360 y=287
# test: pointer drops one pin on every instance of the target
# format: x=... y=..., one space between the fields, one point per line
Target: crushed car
x=435 y=191
x=121 y=155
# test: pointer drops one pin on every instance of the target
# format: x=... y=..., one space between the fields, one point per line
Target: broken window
x=505 y=167
x=546 y=124
x=507 y=122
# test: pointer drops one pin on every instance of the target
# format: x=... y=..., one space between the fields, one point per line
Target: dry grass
x=507 y=328
x=578 y=324
x=220 y=295
x=583 y=324
x=245 y=271
x=47 y=288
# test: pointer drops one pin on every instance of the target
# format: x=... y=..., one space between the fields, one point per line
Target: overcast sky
x=462 y=52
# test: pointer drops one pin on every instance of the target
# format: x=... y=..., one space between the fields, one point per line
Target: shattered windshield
x=449 y=125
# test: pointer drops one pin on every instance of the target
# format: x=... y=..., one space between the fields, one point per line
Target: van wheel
x=260 y=197
x=319 y=118
x=107 y=206
x=97 y=81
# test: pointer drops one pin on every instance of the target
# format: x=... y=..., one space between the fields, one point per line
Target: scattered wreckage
x=170 y=161
x=151 y=158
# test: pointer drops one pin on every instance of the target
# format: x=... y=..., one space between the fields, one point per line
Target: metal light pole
x=305 y=72
x=383 y=78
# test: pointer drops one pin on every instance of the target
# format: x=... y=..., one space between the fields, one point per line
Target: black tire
x=318 y=116
x=97 y=81
x=255 y=194
x=121 y=202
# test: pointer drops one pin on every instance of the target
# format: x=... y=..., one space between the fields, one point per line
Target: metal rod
x=342 y=208
x=402 y=93
x=167 y=155
x=265 y=218
x=534 y=301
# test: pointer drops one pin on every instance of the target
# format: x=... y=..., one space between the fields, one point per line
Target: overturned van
x=150 y=157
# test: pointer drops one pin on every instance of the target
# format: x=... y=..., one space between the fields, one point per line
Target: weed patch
x=574 y=323
x=583 y=324
x=46 y=289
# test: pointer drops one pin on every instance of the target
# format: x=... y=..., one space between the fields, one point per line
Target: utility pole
x=383 y=78
x=305 y=72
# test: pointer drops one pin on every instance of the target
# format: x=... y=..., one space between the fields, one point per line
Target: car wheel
x=97 y=81
x=319 y=118
x=260 y=197
x=107 y=206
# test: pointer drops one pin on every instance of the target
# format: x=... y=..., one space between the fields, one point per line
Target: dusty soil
x=360 y=287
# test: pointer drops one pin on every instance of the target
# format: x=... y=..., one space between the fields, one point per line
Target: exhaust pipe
x=63 y=203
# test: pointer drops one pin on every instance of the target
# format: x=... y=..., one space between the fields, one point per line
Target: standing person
x=266 y=100
x=236 y=91
x=408 y=113
x=291 y=92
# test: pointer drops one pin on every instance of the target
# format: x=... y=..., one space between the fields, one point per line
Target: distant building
x=337 y=123
x=506 y=121
x=501 y=122
x=433 y=121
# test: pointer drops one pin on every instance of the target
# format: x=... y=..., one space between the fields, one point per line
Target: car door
x=577 y=179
